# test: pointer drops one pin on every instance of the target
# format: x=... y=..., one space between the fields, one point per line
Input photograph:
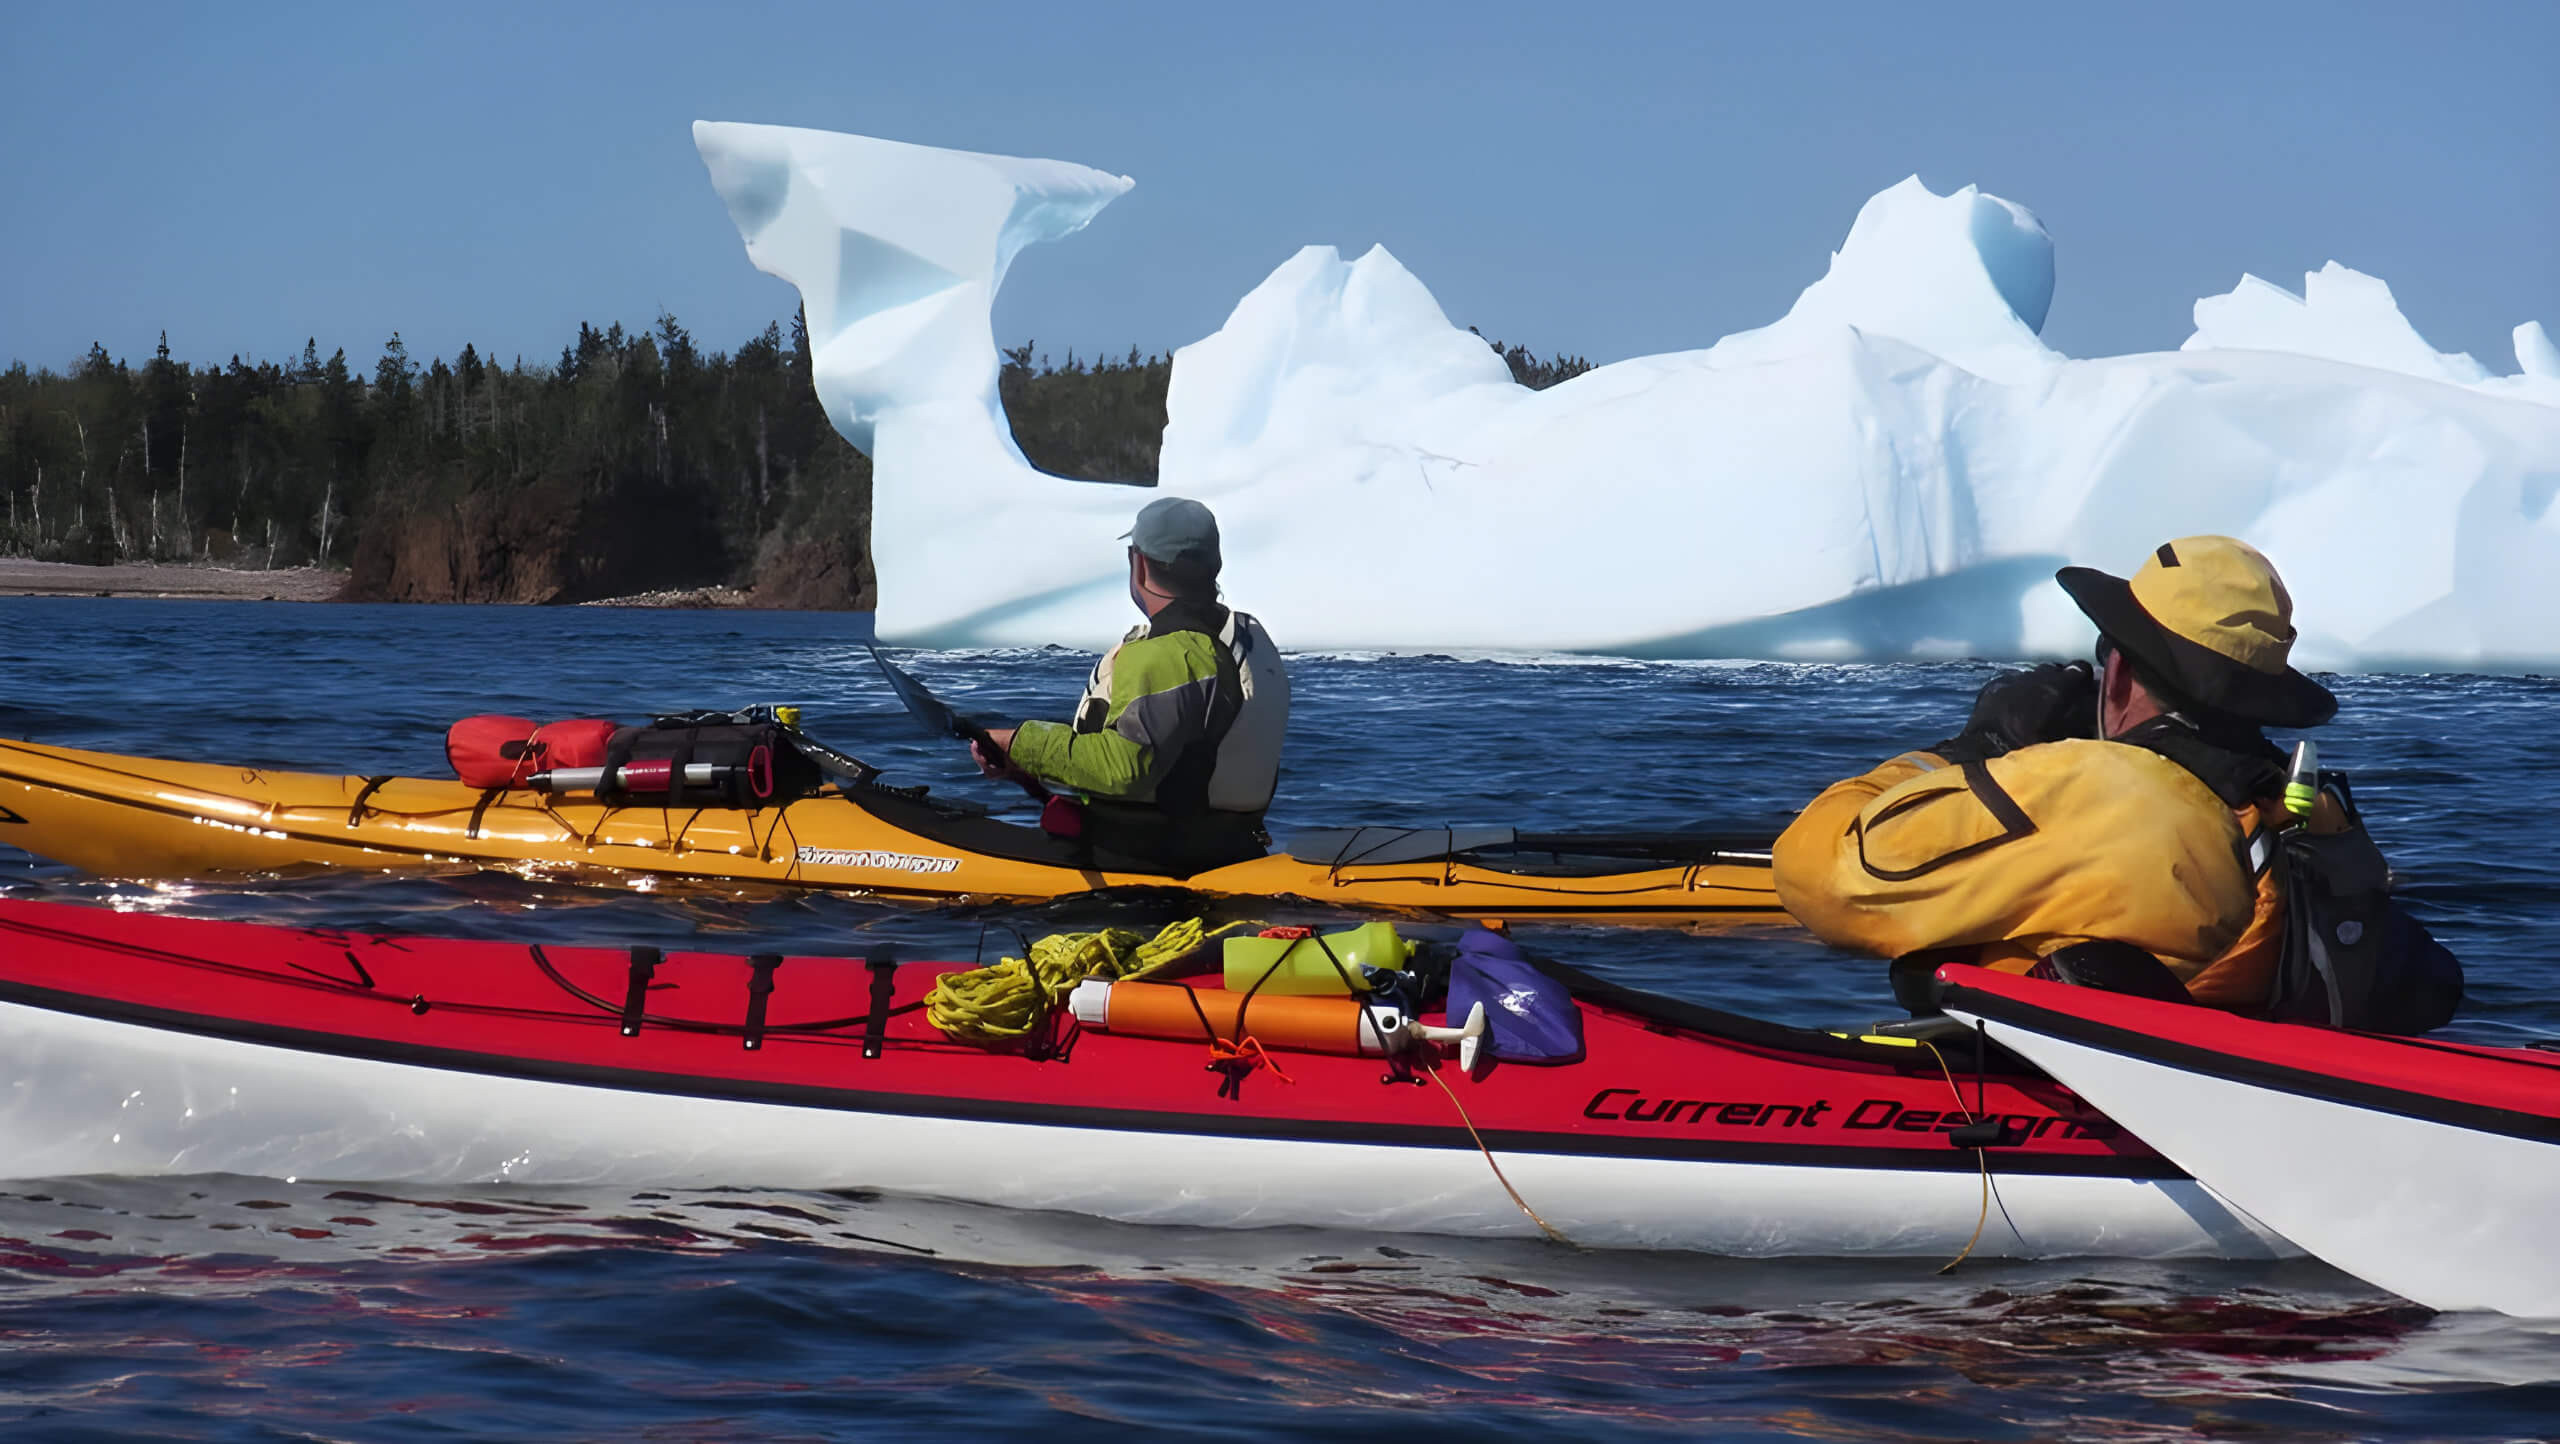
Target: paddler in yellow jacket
x=2129 y=807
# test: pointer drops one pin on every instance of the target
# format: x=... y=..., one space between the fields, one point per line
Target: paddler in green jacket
x=1175 y=746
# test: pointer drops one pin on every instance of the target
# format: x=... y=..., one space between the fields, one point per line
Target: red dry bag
x=579 y=742
x=493 y=751
x=489 y=751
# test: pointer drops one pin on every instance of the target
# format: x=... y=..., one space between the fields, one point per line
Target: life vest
x=1235 y=765
x=2326 y=942
x=2244 y=975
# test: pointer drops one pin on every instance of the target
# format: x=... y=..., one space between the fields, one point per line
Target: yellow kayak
x=141 y=817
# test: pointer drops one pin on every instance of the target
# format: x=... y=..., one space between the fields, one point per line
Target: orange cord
x=1248 y=1050
x=1433 y=1073
x=1980 y=1155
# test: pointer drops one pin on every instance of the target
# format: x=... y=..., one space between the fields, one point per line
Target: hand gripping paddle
x=939 y=720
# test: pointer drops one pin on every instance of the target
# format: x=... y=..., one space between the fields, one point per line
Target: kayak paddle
x=939 y=720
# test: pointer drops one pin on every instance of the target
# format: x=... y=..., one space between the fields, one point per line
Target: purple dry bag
x=1529 y=1018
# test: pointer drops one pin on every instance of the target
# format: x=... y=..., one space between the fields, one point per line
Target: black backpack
x=2353 y=957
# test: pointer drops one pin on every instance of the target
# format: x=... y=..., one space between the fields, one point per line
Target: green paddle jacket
x=1186 y=714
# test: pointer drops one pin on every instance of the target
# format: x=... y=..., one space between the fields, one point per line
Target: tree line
x=311 y=461
x=637 y=460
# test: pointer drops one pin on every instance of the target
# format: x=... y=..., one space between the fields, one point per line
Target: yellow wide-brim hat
x=2211 y=618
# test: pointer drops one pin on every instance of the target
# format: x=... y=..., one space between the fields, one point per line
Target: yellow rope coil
x=1008 y=999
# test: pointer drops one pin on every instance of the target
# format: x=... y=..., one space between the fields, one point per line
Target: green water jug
x=1297 y=966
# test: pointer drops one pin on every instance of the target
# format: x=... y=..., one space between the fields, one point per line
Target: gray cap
x=1176 y=530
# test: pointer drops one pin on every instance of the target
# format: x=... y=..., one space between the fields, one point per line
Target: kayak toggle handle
x=1466 y=1036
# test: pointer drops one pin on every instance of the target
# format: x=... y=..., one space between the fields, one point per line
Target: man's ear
x=2115 y=684
x=2116 y=687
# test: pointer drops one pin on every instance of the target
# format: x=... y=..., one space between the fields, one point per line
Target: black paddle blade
x=939 y=720
x=930 y=711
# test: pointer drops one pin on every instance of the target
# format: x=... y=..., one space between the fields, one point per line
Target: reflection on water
x=916 y=1311
x=200 y=1307
x=692 y=1304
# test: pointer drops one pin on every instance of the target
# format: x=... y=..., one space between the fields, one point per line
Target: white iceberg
x=1893 y=468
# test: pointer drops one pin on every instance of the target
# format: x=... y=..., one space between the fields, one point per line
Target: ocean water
x=242 y=1308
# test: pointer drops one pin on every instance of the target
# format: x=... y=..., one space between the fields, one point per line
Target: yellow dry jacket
x=2050 y=845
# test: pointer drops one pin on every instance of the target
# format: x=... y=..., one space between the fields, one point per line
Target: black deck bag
x=2353 y=957
x=758 y=764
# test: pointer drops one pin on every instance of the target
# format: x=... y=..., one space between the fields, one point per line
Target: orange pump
x=1336 y=1024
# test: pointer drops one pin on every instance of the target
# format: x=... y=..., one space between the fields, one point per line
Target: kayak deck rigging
x=148 y=818
x=359 y=1056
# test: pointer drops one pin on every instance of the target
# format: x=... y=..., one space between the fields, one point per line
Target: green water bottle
x=2302 y=780
x=1297 y=966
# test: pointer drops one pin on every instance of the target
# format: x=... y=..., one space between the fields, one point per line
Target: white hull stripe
x=89 y=1095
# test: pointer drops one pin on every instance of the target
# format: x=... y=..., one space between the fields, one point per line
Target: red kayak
x=2431 y=1169
x=143 y=1044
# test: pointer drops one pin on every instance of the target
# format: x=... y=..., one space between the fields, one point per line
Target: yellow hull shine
x=139 y=817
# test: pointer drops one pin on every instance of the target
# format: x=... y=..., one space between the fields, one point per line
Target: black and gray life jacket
x=1235 y=765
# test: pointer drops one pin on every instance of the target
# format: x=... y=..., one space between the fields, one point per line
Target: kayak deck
x=144 y=1044
x=140 y=817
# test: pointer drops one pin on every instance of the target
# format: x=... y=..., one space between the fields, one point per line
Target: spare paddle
x=939 y=720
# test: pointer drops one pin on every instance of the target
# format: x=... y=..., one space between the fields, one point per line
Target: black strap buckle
x=759 y=991
x=1988 y=1133
x=635 y=992
x=355 y=809
x=479 y=811
x=884 y=976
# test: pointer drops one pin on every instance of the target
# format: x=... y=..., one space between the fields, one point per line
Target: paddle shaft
x=939 y=719
x=977 y=736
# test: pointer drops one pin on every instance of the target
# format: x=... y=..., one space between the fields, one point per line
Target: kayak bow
x=2431 y=1169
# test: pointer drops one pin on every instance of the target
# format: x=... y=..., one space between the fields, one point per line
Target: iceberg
x=897 y=251
x=1892 y=468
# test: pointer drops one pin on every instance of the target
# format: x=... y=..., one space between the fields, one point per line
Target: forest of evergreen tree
x=637 y=462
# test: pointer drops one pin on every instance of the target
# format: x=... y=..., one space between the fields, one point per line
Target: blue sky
x=1605 y=179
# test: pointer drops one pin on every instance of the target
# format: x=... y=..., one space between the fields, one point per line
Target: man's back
x=1187 y=713
x=2044 y=846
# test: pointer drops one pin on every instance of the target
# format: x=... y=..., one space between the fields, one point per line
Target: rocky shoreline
x=684 y=599
x=20 y=577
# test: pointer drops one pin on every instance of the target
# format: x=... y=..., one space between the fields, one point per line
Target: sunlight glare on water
x=226 y=1307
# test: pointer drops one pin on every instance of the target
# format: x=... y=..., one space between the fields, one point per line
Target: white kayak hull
x=86 y=1095
x=2446 y=1216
